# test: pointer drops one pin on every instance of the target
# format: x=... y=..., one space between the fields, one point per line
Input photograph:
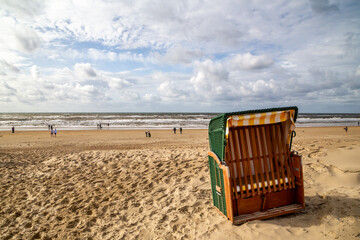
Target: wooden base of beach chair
x=274 y=212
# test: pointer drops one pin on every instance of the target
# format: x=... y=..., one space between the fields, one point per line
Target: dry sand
x=120 y=185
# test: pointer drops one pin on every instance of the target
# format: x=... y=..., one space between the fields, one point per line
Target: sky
x=179 y=56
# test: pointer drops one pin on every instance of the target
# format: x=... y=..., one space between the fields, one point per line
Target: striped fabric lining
x=260 y=119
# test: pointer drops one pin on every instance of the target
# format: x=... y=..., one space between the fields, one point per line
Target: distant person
x=49 y=127
x=51 y=132
x=174 y=130
x=358 y=123
x=149 y=134
x=346 y=129
x=55 y=132
x=146 y=134
x=13 y=129
x=181 y=130
x=100 y=126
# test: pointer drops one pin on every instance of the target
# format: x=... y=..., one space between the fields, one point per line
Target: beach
x=118 y=184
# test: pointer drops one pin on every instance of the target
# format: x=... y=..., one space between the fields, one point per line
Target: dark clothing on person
x=13 y=129
x=174 y=130
x=180 y=130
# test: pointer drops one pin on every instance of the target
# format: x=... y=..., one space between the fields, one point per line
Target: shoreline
x=17 y=129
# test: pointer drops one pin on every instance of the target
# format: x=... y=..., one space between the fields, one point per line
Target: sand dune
x=121 y=185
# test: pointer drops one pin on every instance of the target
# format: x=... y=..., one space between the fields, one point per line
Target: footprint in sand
x=73 y=224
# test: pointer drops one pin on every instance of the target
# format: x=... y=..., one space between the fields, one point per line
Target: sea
x=92 y=121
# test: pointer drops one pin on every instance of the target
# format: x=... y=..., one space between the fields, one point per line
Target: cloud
x=210 y=78
x=8 y=66
x=169 y=90
x=6 y=92
x=248 y=61
x=35 y=72
x=84 y=70
x=27 y=39
x=117 y=83
x=96 y=54
x=357 y=73
x=23 y=7
x=180 y=55
x=322 y=6
x=17 y=35
x=149 y=97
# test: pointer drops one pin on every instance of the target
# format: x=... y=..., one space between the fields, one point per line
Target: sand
x=120 y=185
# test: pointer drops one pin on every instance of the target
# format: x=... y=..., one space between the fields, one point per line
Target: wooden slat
x=280 y=156
x=257 y=159
x=255 y=162
x=260 y=158
x=228 y=161
x=264 y=156
x=245 y=150
x=285 y=150
x=273 y=161
x=216 y=182
x=244 y=164
x=238 y=160
x=251 y=175
x=231 y=148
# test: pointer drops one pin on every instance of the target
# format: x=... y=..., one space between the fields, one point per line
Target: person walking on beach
x=174 y=130
x=51 y=132
x=13 y=129
x=55 y=132
x=146 y=134
x=180 y=130
x=346 y=129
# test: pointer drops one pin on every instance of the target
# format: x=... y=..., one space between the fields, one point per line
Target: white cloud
x=287 y=64
x=322 y=6
x=117 y=83
x=18 y=36
x=357 y=71
x=84 y=70
x=180 y=55
x=149 y=97
x=35 y=72
x=169 y=91
x=6 y=92
x=248 y=61
x=8 y=66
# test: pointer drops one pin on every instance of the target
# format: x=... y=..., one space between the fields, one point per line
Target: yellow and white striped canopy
x=260 y=119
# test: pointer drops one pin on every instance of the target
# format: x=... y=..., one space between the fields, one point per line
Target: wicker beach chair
x=254 y=173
